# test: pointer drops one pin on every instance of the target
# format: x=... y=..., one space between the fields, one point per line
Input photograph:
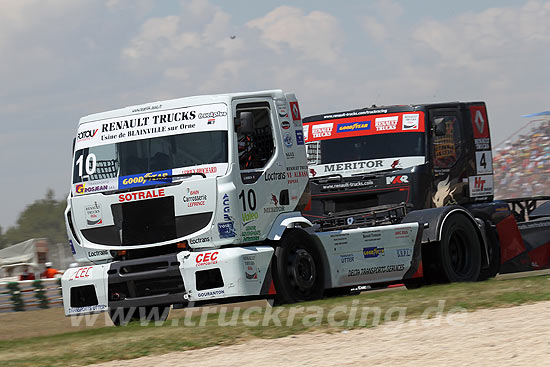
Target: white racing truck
x=200 y=199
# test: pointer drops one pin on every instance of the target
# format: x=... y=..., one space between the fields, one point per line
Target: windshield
x=150 y=155
x=137 y=149
x=370 y=147
x=361 y=143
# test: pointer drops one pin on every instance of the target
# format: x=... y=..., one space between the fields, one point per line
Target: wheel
x=459 y=250
x=297 y=268
x=121 y=316
x=414 y=283
x=494 y=256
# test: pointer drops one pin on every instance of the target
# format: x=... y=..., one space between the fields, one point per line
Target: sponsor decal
x=81 y=273
x=93 y=214
x=207 y=115
x=481 y=185
x=403 y=252
x=353 y=126
x=88 y=188
x=299 y=137
x=86 y=135
x=347 y=258
x=285 y=125
x=250 y=233
x=339 y=239
x=206 y=258
x=211 y=121
x=226 y=208
x=87 y=308
x=444 y=195
x=194 y=241
x=396 y=164
x=226 y=230
x=275 y=176
x=312 y=172
x=282 y=111
x=410 y=121
x=397 y=180
x=479 y=122
x=287 y=139
x=295 y=110
x=294 y=173
x=249 y=217
x=99 y=253
x=305 y=129
x=220 y=292
x=402 y=233
x=250 y=268
x=153 y=120
x=371 y=252
x=194 y=198
x=322 y=130
x=372 y=236
x=289 y=155
x=335 y=167
x=347 y=185
x=144 y=179
x=483 y=143
x=205 y=170
x=386 y=123
x=149 y=194
x=376 y=270
x=72 y=247
x=276 y=208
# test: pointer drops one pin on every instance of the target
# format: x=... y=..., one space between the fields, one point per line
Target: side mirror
x=244 y=123
x=441 y=128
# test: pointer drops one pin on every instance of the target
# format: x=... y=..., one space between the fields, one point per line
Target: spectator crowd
x=522 y=167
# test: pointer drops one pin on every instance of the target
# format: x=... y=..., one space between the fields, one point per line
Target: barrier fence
x=30 y=295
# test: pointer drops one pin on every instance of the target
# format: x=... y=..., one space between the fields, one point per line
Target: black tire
x=459 y=250
x=121 y=316
x=414 y=283
x=494 y=256
x=297 y=268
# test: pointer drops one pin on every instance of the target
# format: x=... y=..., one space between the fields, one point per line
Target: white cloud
x=315 y=36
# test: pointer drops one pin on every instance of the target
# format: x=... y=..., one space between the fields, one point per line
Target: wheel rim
x=302 y=270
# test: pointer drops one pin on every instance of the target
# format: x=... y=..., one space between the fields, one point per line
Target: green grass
x=134 y=340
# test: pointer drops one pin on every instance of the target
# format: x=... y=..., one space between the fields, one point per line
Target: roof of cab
x=180 y=102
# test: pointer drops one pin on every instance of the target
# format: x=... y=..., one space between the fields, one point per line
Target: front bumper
x=168 y=279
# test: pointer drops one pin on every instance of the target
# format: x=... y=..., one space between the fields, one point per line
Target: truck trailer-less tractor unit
x=435 y=160
x=201 y=199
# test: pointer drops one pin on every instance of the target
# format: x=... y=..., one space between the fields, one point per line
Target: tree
x=43 y=218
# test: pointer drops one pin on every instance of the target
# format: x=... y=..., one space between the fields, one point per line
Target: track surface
x=516 y=336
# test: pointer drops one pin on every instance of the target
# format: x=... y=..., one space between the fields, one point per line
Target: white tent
x=30 y=253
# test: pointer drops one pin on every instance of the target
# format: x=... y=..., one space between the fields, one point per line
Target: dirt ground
x=516 y=336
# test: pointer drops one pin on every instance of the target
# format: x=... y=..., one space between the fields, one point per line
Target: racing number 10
x=251 y=200
x=90 y=164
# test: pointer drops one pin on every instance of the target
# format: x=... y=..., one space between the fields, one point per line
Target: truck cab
x=427 y=155
x=157 y=189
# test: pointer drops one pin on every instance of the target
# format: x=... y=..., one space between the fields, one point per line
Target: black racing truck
x=426 y=163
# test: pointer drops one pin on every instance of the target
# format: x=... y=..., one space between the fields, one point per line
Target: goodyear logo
x=370 y=252
x=353 y=126
x=144 y=179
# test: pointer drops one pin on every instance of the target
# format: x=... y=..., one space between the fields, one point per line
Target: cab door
x=449 y=157
x=261 y=167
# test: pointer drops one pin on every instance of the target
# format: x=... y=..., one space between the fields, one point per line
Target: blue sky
x=64 y=59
